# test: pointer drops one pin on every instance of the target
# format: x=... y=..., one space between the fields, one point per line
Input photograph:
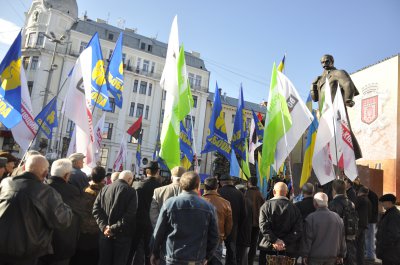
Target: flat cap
x=388 y=198
x=76 y=156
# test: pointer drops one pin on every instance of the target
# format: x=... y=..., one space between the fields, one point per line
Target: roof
x=376 y=63
x=132 y=40
x=234 y=101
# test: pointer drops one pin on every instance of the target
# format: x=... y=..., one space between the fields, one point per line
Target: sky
x=240 y=40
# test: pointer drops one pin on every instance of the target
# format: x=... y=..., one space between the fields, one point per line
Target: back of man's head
x=114 y=176
x=176 y=173
x=61 y=167
x=320 y=200
x=308 y=189
x=37 y=165
x=339 y=186
x=98 y=174
x=189 y=181
x=210 y=183
x=126 y=175
x=253 y=181
x=280 y=189
x=363 y=190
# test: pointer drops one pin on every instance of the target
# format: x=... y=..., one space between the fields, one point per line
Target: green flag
x=245 y=163
x=278 y=121
x=185 y=95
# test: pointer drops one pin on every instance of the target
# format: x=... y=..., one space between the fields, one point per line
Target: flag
x=245 y=164
x=309 y=102
x=72 y=144
x=262 y=179
x=309 y=150
x=301 y=118
x=322 y=157
x=98 y=94
x=256 y=135
x=139 y=150
x=10 y=83
x=185 y=95
x=78 y=107
x=47 y=118
x=347 y=159
x=121 y=156
x=281 y=65
x=174 y=107
x=260 y=117
x=186 y=146
x=217 y=139
x=136 y=128
x=277 y=121
x=98 y=139
x=24 y=132
x=234 y=169
x=239 y=129
x=115 y=72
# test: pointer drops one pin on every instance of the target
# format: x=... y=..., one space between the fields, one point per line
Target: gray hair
x=61 y=167
x=126 y=175
x=114 y=176
x=321 y=199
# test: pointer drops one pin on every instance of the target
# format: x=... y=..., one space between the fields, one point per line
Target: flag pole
x=336 y=147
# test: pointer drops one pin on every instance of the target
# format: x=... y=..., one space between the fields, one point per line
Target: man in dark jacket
x=29 y=212
x=388 y=234
x=306 y=206
x=373 y=220
x=64 y=240
x=350 y=191
x=363 y=208
x=281 y=225
x=78 y=178
x=337 y=205
x=236 y=199
x=254 y=195
x=115 y=212
x=140 y=250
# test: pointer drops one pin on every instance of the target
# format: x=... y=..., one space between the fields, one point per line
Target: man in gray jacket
x=323 y=238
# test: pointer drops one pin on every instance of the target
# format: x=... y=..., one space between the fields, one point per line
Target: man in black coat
x=29 y=213
x=373 y=220
x=140 y=250
x=363 y=208
x=115 y=213
x=78 y=178
x=388 y=234
x=236 y=199
x=64 y=240
x=306 y=206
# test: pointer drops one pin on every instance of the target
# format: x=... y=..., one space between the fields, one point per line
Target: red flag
x=135 y=129
x=259 y=116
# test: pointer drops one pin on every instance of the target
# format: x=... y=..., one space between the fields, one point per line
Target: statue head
x=327 y=62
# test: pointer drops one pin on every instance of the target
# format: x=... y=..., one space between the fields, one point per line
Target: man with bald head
x=29 y=212
x=323 y=241
x=281 y=225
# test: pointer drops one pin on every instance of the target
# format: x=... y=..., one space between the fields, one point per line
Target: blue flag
x=139 y=150
x=185 y=139
x=47 y=118
x=259 y=127
x=99 y=93
x=239 y=129
x=10 y=82
x=217 y=139
x=234 y=169
x=115 y=73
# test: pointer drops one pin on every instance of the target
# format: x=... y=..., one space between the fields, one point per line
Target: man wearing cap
x=10 y=165
x=323 y=236
x=145 y=190
x=388 y=234
x=163 y=193
x=306 y=206
x=78 y=178
x=224 y=214
x=236 y=198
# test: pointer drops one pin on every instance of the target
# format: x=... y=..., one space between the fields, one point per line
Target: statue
x=347 y=86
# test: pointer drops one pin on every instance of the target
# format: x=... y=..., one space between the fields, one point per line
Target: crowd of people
x=58 y=215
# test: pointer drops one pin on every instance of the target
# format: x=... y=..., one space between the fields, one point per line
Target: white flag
x=253 y=141
x=301 y=119
x=322 y=158
x=121 y=156
x=98 y=139
x=344 y=143
x=25 y=131
x=78 y=108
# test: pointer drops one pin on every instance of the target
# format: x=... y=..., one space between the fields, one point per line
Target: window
x=110 y=54
x=150 y=88
x=146 y=65
x=31 y=39
x=233 y=118
x=25 y=62
x=123 y=58
x=188 y=121
x=191 y=79
x=83 y=46
x=132 y=109
x=110 y=36
x=34 y=62
x=70 y=127
x=138 y=63
x=248 y=122
x=197 y=81
x=149 y=48
x=143 y=46
x=194 y=101
x=104 y=157
x=30 y=87
x=40 y=39
x=153 y=66
x=146 y=113
x=139 y=110
x=162 y=115
x=112 y=104
x=143 y=87
x=164 y=94
x=135 y=85
x=107 y=131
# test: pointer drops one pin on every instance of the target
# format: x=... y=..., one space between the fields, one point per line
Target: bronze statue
x=347 y=86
